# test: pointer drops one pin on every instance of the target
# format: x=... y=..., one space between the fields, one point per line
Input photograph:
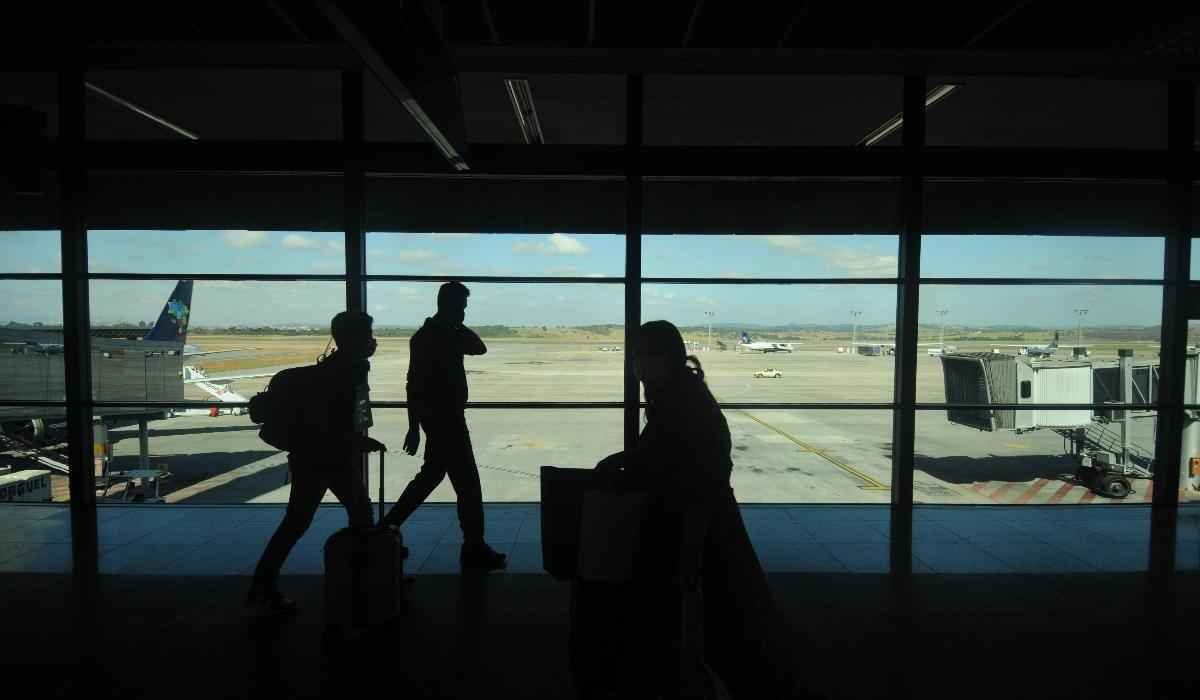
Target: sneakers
x=270 y=603
x=481 y=556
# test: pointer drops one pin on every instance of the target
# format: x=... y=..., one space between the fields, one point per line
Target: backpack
x=280 y=409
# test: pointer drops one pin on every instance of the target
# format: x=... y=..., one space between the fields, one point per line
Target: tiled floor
x=210 y=540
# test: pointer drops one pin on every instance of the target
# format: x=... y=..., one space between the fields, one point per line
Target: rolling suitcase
x=364 y=569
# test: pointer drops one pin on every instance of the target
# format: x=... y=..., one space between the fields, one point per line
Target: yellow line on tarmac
x=872 y=483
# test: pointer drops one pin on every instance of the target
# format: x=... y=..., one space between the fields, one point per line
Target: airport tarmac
x=780 y=456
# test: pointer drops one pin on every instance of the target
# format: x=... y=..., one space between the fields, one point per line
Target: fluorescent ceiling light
x=142 y=112
x=522 y=102
x=937 y=94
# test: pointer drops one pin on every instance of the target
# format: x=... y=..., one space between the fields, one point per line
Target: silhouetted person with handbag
x=694 y=529
x=437 y=400
x=319 y=414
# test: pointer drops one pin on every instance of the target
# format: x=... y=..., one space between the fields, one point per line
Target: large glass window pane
x=770 y=256
x=1034 y=330
x=1065 y=257
x=785 y=343
x=153 y=339
x=510 y=447
x=502 y=254
x=746 y=110
x=805 y=456
x=31 y=342
x=1034 y=112
x=216 y=252
x=546 y=342
x=1036 y=458
x=30 y=252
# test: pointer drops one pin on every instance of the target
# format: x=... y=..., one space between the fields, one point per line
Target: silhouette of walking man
x=437 y=399
x=325 y=440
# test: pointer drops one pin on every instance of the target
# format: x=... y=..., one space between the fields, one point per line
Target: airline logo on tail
x=746 y=338
x=172 y=322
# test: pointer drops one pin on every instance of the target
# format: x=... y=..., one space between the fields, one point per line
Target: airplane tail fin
x=745 y=337
x=1055 y=343
x=172 y=322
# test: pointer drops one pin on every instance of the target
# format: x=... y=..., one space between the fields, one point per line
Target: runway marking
x=998 y=494
x=1062 y=491
x=1088 y=497
x=1032 y=491
x=872 y=483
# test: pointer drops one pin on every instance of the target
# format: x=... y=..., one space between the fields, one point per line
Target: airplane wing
x=228 y=380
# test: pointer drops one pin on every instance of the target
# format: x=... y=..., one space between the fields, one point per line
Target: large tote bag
x=610 y=533
x=562 y=507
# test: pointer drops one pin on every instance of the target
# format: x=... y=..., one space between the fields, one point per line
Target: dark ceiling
x=590 y=109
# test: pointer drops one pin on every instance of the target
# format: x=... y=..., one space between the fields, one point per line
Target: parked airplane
x=1047 y=350
x=128 y=365
x=749 y=345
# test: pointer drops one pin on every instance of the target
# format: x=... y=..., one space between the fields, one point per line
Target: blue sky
x=590 y=257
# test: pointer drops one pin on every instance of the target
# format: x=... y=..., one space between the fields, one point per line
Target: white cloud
x=244 y=239
x=791 y=244
x=554 y=244
x=295 y=240
x=863 y=264
x=337 y=246
x=417 y=255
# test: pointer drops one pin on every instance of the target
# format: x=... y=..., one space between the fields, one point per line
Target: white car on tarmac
x=769 y=373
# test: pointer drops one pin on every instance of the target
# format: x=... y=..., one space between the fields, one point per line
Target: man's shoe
x=481 y=556
x=270 y=603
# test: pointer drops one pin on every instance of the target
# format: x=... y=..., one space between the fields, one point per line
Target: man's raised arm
x=471 y=343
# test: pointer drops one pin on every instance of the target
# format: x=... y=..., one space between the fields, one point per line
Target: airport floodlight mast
x=942 y=337
x=854 y=330
x=1079 y=314
x=710 y=315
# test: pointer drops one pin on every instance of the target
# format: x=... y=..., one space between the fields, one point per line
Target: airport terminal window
x=812 y=456
x=510 y=446
x=546 y=342
x=775 y=256
x=785 y=343
x=1031 y=457
x=216 y=252
x=558 y=254
x=1062 y=257
x=31 y=342
x=35 y=252
x=1030 y=324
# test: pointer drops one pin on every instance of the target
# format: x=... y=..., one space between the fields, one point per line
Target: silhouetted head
x=661 y=356
x=452 y=302
x=351 y=330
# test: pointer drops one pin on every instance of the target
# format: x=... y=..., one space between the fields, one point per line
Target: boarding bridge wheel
x=1114 y=486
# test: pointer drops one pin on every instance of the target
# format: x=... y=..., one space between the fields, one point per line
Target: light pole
x=1079 y=314
x=942 y=338
x=710 y=315
x=854 y=330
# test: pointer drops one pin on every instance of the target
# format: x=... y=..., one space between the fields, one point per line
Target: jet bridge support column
x=1189 y=479
x=1126 y=396
x=143 y=443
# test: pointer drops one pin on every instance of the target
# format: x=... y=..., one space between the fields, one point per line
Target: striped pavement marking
x=1053 y=491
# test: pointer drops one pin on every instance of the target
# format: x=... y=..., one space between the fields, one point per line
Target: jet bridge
x=1099 y=438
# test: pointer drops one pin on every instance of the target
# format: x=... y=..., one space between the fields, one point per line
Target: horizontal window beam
x=1036 y=406
x=30 y=276
x=576 y=162
x=676 y=61
x=494 y=278
x=770 y=280
x=215 y=277
x=1026 y=281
